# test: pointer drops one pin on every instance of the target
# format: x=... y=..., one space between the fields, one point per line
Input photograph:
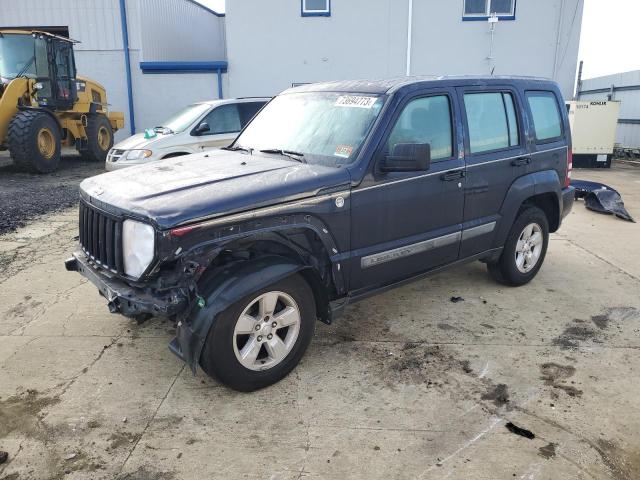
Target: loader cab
x=48 y=59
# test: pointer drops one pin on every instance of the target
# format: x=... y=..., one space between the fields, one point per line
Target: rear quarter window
x=547 y=123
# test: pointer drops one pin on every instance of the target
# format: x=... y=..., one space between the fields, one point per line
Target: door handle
x=519 y=162
x=452 y=175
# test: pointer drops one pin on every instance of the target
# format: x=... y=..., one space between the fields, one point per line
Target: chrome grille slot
x=100 y=237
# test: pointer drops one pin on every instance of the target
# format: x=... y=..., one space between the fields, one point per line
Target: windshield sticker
x=343 y=151
x=356 y=101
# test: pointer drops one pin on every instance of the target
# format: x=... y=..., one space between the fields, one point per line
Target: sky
x=609 y=41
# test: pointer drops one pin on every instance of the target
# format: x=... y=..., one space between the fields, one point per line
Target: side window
x=425 y=120
x=248 y=111
x=546 y=115
x=223 y=119
x=492 y=121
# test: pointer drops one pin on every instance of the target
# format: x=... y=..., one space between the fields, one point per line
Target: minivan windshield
x=185 y=117
x=326 y=128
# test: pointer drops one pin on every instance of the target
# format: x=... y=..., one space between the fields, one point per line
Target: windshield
x=327 y=128
x=185 y=117
x=18 y=55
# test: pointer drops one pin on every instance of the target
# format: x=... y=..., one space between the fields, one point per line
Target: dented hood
x=180 y=190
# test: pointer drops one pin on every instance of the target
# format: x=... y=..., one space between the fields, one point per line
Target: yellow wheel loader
x=44 y=105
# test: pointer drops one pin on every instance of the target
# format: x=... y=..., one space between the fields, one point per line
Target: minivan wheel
x=524 y=250
x=259 y=339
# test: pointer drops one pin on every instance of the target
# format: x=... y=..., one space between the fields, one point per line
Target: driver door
x=406 y=223
x=64 y=74
x=224 y=125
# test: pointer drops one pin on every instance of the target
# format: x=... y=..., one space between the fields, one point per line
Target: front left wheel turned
x=259 y=339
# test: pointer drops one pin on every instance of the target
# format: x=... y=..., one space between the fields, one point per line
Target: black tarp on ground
x=601 y=198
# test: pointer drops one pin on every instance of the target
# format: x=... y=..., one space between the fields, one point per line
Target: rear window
x=492 y=121
x=547 y=122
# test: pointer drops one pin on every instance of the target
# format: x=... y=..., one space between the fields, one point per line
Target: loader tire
x=33 y=139
x=99 y=138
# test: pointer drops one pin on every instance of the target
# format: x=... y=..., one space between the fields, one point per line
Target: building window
x=483 y=9
x=316 y=8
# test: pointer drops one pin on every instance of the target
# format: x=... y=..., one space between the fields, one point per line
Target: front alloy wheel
x=260 y=338
x=266 y=331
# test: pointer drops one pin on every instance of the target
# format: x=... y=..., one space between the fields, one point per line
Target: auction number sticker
x=343 y=151
x=356 y=101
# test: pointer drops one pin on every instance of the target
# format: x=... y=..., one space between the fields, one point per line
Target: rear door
x=496 y=155
x=224 y=125
x=405 y=223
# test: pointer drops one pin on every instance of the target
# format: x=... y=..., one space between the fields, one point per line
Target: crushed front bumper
x=125 y=299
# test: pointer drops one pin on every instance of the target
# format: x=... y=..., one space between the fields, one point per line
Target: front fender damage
x=227 y=286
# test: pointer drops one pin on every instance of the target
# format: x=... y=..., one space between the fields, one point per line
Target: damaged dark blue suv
x=333 y=192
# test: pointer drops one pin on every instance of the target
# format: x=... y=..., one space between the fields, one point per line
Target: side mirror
x=408 y=157
x=202 y=128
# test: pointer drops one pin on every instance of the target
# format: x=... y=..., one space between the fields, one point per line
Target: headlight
x=138 y=154
x=138 y=241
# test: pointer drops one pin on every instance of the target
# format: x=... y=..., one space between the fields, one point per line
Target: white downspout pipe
x=409 y=27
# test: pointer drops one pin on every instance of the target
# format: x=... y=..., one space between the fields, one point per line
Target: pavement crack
x=148 y=424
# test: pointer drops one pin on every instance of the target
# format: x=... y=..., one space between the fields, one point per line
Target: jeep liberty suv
x=333 y=192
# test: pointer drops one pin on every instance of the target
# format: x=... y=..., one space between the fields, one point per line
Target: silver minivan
x=198 y=127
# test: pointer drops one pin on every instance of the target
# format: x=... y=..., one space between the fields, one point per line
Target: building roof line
x=217 y=14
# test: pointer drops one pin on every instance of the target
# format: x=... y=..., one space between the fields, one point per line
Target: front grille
x=101 y=238
x=115 y=155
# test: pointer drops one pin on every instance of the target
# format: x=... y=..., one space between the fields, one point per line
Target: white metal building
x=625 y=88
x=176 y=50
x=273 y=44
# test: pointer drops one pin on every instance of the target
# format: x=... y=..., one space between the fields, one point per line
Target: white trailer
x=593 y=132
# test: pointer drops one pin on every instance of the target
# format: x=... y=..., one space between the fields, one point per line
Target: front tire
x=259 y=339
x=524 y=250
x=33 y=139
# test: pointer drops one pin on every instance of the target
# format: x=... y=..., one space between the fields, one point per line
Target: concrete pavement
x=406 y=385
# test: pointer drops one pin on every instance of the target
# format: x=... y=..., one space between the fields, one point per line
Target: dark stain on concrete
x=573 y=335
x=555 y=375
x=548 y=451
x=19 y=412
x=497 y=394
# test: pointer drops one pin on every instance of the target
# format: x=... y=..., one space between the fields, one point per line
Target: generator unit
x=593 y=132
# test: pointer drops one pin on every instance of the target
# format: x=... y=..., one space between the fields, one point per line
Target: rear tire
x=277 y=342
x=524 y=250
x=99 y=138
x=33 y=139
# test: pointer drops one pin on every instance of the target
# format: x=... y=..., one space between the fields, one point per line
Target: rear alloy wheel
x=33 y=139
x=259 y=339
x=524 y=250
x=99 y=138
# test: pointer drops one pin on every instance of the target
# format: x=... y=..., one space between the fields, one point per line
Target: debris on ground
x=520 y=431
x=4 y=456
x=456 y=299
x=601 y=198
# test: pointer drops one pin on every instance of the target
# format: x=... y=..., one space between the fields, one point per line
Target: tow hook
x=113 y=308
